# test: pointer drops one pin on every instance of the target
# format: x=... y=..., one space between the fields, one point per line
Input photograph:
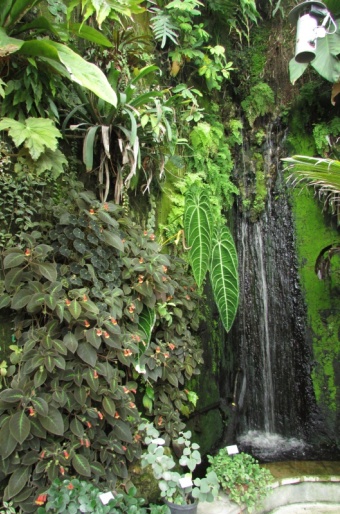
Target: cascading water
x=274 y=392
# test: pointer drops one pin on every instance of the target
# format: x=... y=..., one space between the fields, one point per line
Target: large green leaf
x=224 y=275
x=87 y=353
x=19 y=426
x=8 y=45
x=36 y=134
x=198 y=229
x=147 y=320
x=326 y=62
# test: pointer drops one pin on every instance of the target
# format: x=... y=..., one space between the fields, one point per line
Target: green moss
x=322 y=298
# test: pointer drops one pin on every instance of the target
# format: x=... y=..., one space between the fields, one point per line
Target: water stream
x=274 y=398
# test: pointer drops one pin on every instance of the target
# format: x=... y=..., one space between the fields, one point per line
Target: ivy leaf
x=81 y=465
x=224 y=275
x=19 y=426
x=35 y=133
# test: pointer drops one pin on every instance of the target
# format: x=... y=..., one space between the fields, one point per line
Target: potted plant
x=241 y=477
x=79 y=496
x=180 y=491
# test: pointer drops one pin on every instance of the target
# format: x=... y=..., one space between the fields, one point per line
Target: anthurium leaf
x=198 y=230
x=36 y=134
x=20 y=425
x=53 y=422
x=296 y=69
x=12 y=260
x=224 y=275
x=113 y=240
x=87 y=353
x=17 y=482
x=326 y=62
x=147 y=320
x=81 y=465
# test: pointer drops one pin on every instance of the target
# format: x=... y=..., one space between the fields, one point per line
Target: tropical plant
x=260 y=101
x=98 y=316
x=72 y=496
x=238 y=15
x=177 y=488
x=241 y=477
x=46 y=52
x=212 y=248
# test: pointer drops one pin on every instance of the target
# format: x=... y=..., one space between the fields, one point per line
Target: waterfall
x=269 y=334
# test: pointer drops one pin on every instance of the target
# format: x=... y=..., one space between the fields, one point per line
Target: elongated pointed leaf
x=81 y=465
x=198 y=229
x=88 y=147
x=12 y=260
x=224 y=275
x=19 y=426
x=147 y=320
x=17 y=482
x=87 y=353
x=7 y=441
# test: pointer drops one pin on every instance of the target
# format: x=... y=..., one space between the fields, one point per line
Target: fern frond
x=163 y=28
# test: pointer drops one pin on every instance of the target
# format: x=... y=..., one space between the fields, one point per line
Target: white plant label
x=232 y=449
x=106 y=497
x=185 y=482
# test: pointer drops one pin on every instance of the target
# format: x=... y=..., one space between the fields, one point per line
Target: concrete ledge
x=287 y=491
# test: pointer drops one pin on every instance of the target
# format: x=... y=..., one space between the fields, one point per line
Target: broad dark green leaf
x=113 y=240
x=5 y=300
x=89 y=147
x=12 y=279
x=40 y=377
x=75 y=309
x=97 y=469
x=11 y=395
x=81 y=465
x=122 y=431
x=89 y=33
x=71 y=342
x=17 y=482
x=109 y=406
x=21 y=298
x=224 y=275
x=19 y=426
x=146 y=322
x=77 y=428
x=87 y=353
x=12 y=260
x=40 y=405
x=7 y=441
x=198 y=231
x=53 y=422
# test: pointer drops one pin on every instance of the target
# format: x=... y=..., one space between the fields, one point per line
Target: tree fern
x=224 y=275
x=163 y=28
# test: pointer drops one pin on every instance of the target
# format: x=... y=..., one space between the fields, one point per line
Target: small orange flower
x=152 y=237
x=124 y=448
x=113 y=321
x=86 y=323
x=131 y=308
x=99 y=332
x=141 y=260
x=158 y=350
x=85 y=298
x=145 y=232
x=66 y=454
x=27 y=252
x=31 y=411
x=62 y=470
x=117 y=416
x=42 y=454
x=70 y=486
x=126 y=390
x=165 y=269
x=132 y=405
x=106 y=206
x=95 y=373
x=166 y=355
x=100 y=415
x=141 y=279
x=160 y=421
x=127 y=352
x=87 y=443
x=88 y=424
x=106 y=335
x=91 y=211
x=187 y=297
x=172 y=346
x=68 y=302
x=42 y=498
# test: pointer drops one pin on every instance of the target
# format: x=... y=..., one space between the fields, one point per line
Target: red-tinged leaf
x=87 y=354
x=53 y=423
x=81 y=465
x=19 y=426
x=17 y=482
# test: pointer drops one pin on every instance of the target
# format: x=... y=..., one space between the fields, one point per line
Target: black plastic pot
x=189 y=508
